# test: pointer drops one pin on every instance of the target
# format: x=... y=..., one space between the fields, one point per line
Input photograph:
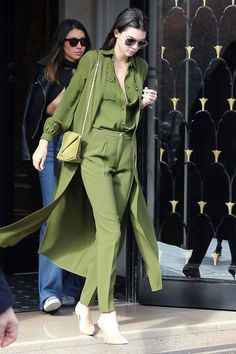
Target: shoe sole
x=52 y=307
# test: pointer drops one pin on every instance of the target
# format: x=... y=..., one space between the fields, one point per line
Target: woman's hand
x=149 y=96
x=53 y=105
x=8 y=327
x=40 y=154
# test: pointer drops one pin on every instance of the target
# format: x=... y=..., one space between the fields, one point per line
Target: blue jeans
x=53 y=281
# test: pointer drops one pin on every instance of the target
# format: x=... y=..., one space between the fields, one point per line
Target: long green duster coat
x=70 y=235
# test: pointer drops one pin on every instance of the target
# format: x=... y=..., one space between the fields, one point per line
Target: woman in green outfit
x=84 y=228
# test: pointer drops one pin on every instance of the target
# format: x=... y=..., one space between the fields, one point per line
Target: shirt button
x=122 y=108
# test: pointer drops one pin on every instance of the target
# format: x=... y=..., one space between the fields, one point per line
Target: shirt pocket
x=111 y=90
x=132 y=93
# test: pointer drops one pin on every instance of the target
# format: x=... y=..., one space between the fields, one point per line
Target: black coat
x=34 y=113
x=41 y=92
x=6 y=296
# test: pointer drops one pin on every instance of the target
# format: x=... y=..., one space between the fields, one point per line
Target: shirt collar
x=110 y=52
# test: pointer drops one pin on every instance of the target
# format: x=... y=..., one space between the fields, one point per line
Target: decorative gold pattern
x=188 y=153
x=203 y=101
x=161 y=153
x=201 y=205
x=189 y=51
x=218 y=50
x=195 y=75
x=174 y=204
x=231 y=103
x=162 y=51
x=230 y=207
x=216 y=154
x=175 y=101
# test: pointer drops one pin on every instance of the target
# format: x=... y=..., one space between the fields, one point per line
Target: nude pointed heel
x=87 y=329
x=117 y=339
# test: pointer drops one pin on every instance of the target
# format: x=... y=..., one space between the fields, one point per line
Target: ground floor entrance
x=186 y=142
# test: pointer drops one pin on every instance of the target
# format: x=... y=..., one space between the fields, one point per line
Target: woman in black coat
x=51 y=78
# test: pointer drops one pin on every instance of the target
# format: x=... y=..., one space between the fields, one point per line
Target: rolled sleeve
x=51 y=129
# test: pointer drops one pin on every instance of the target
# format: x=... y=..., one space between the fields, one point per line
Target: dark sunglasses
x=73 y=42
x=130 y=42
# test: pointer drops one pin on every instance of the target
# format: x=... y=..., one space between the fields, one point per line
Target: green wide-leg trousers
x=107 y=173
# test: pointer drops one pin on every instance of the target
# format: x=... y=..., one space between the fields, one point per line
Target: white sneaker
x=68 y=300
x=52 y=304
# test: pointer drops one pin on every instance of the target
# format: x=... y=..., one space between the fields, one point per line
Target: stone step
x=149 y=329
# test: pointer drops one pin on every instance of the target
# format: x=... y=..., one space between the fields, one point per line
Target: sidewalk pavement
x=149 y=329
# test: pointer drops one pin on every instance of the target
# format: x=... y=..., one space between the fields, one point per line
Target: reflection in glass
x=196 y=134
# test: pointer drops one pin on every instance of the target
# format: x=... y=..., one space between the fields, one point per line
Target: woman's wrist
x=143 y=104
x=43 y=142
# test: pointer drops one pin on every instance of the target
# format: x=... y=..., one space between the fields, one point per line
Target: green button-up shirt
x=116 y=111
x=123 y=116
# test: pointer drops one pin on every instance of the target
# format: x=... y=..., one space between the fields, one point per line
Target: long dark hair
x=56 y=52
x=130 y=17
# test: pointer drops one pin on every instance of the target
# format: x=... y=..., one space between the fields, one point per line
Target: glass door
x=191 y=154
